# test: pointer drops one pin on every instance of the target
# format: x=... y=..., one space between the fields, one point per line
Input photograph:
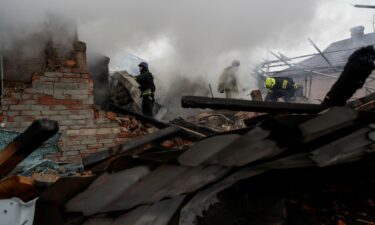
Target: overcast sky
x=192 y=37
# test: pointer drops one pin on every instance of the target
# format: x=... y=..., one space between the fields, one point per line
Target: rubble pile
x=220 y=121
x=291 y=164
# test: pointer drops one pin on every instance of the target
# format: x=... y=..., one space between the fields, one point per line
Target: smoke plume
x=193 y=39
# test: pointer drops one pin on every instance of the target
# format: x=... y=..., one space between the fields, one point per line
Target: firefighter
x=228 y=80
x=147 y=88
x=280 y=87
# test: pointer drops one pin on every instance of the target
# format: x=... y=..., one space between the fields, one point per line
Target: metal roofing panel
x=350 y=146
x=191 y=180
x=205 y=149
x=337 y=53
x=143 y=190
x=157 y=214
x=105 y=189
x=16 y=212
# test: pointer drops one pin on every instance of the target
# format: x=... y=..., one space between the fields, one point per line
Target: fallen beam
x=165 y=133
x=365 y=6
x=248 y=106
x=201 y=131
x=186 y=132
x=18 y=186
x=25 y=143
x=362 y=101
x=138 y=116
x=358 y=68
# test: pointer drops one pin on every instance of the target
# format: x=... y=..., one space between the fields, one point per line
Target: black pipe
x=359 y=66
x=248 y=106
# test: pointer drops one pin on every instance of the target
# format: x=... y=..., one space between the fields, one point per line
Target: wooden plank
x=17 y=186
x=256 y=95
x=25 y=143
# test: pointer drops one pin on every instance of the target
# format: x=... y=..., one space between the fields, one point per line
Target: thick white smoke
x=190 y=38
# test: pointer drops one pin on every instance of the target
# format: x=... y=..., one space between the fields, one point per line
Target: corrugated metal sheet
x=337 y=53
x=153 y=195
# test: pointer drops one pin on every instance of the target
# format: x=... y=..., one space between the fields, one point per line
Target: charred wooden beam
x=365 y=6
x=361 y=101
x=202 y=131
x=138 y=116
x=17 y=186
x=249 y=106
x=359 y=66
x=25 y=143
x=185 y=133
x=165 y=133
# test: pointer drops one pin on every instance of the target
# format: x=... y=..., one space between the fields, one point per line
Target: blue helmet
x=144 y=65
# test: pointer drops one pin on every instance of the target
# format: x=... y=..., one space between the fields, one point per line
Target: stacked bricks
x=67 y=97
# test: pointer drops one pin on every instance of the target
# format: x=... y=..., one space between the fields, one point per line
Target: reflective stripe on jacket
x=146 y=92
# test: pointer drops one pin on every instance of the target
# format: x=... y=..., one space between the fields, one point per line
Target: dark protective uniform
x=284 y=88
x=147 y=87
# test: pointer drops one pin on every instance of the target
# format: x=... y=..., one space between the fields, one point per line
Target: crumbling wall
x=64 y=92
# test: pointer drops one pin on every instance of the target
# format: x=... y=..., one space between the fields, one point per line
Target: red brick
x=30 y=118
x=109 y=145
x=78 y=70
x=125 y=135
x=66 y=70
x=74 y=107
x=50 y=79
x=27 y=96
x=10 y=101
x=35 y=78
x=10 y=119
x=106 y=136
x=48 y=100
x=71 y=75
x=28 y=102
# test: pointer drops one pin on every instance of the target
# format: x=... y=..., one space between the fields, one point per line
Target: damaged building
x=55 y=82
x=319 y=71
x=272 y=163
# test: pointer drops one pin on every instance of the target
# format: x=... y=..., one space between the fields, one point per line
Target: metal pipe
x=365 y=6
x=248 y=106
x=322 y=54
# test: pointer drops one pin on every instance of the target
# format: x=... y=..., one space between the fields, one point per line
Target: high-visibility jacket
x=284 y=83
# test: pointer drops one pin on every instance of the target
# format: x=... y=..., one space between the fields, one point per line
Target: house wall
x=66 y=95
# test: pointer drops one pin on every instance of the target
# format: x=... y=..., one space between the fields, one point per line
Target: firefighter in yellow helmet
x=280 y=87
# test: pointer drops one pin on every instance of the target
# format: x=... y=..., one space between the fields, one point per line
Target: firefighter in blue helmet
x=280 y=87
x=147 y=88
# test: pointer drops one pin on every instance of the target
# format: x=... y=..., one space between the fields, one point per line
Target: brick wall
x=64 y=92
x=67 y=98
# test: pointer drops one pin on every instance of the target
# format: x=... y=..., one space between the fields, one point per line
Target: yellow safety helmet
x=270 y=82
